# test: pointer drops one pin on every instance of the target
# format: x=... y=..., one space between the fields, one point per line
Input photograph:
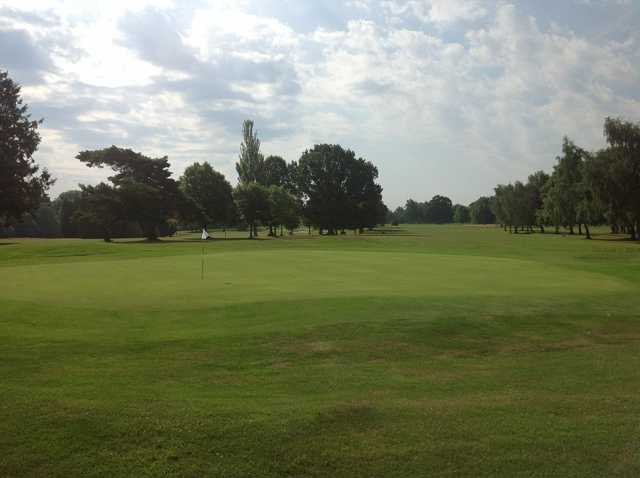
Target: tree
x=23 y=185
x=252 y=200
x=210 y=195
x=144 y=186
x=250 y=165
x=275 y=172
x=66 y=205
x=535 y=185
x=624 y=168
x=101 y=208
x=340 y=190
x=568 y=178
x=461 y=214
x=480 y=211
x=439 y=210
x=46 y=219
x=284 y=209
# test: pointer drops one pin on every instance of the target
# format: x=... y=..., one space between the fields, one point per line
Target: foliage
x=146 y=191
x=461 y=214
x=210 y=196
x=481 y=212
x=340 y=191
x=253 y=203
x=23 y=185
x=250 y=165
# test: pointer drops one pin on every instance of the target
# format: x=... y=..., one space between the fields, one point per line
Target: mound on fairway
x=452 y=351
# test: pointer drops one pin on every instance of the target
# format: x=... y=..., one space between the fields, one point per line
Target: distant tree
x=66 y=205
x=414 y=212
x=284 y=210
x=439 y=210
x=46 y=218
x=250 y=165
x=22 y=185
x=275 y=172
x=399 y=216
x=340 y=190
x=210 y=195
x=253 y=203
x=567 y=172
x=481 y=211
x=461 y=214
x=144 y=186
x=536 y=186
x=624 y=169
x=101 y=208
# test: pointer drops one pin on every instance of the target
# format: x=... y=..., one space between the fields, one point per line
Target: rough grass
x=417 y=351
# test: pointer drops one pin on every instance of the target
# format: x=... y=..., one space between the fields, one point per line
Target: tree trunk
x=571 y=229
x=541 y=229
x=579 y=229
x=586 y=231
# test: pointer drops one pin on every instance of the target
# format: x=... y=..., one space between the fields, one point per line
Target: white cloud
x=437 y=111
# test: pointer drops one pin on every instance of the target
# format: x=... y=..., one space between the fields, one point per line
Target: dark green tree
x=275 y=172
x=253 y=203
x=439 y=210
x=66 y=205
x=481 y=211
x=284 y=209
x=101 y=208
x=144 y=185
x=209 y=195
x=461 y=214
x=23 y=185
x=250 y=165
x=339 y=190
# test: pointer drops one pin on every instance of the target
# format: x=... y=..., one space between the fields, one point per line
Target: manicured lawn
x=414 y=351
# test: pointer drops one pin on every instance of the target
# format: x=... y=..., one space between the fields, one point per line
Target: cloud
x=446 y=97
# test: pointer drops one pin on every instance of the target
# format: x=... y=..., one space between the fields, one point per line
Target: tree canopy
x=23 y=185
x=144 y=186
x=209 y=194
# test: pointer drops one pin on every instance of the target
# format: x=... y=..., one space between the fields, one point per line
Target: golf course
x=413 y=350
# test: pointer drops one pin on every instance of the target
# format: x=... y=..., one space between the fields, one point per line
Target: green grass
x=419 y=351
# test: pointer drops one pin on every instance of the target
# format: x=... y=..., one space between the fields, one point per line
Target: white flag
x=205 y=235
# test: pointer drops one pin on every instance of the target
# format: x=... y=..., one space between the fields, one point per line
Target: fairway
x=413 y=351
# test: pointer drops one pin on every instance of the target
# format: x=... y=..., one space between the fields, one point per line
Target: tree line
x=441 y=210
x=328 y=188
x=584 y=189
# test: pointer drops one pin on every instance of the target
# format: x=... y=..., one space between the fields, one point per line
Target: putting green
x=175 y=282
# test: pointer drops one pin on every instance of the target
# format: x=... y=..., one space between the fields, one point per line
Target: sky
x=445 y=97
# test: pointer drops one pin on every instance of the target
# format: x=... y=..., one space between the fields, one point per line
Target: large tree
x=439 y=210
x=480 y=211
x=209 y=193
x=461 y=214
x=340 y=190
x=624 y=168
x=253 y=203
x=101 y=208
x=275 y=171
x=144 y=185
x=66 y=205
x=23 y=185
x=250 y=165
x=284 y=209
